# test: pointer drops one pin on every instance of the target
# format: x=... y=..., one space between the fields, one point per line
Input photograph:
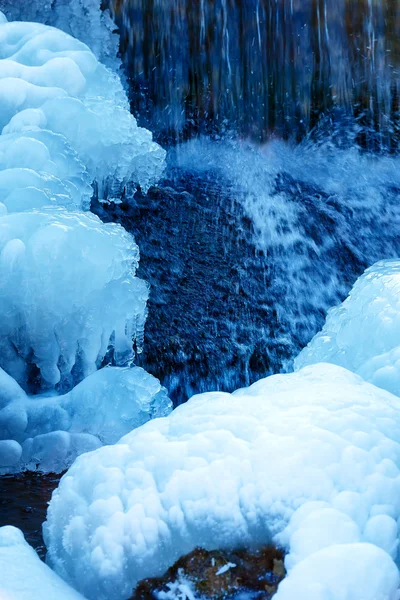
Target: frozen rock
x=24 y=576
x=363 y=333
x=305 y=460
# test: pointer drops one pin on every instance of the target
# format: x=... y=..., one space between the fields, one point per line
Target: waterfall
x=262 y=68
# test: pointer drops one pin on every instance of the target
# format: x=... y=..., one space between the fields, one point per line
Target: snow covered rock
x=363 y=333
x=308 y=460
x=67 y=294
x=49 y=432
x=24 y=576
x=51 y=81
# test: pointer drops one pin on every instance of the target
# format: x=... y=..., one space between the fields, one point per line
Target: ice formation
x=51 y=81
x=83 y=19
x=67 y=292
x=69 y=298
x=363 y=333
x=307 y=460
x=49 y=432
x=24 y=576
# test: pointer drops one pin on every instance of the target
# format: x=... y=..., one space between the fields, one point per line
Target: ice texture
x=52 y=82
x=83 y=19
x=68 y=292
x=309 y=461
x=24 y=576
x=363 y=333
x=49 y=432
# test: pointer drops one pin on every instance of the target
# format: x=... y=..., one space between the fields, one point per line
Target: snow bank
x=307 y=460
x=363 y=333
x=51 y=81
x=24 y=576
x=50 y=432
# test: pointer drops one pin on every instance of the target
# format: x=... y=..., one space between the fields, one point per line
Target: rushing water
x=263 y=67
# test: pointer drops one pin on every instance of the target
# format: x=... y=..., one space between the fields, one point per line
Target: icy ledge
x=308 y=460
x=363 y=333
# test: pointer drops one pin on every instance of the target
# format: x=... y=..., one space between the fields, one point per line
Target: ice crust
x=49 y=432
x=308 y=460
x=363 y=333
x=51 y=82
x=24 y=576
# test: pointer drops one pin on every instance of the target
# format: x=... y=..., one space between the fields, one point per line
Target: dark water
x=262 y=68
x=23 y=503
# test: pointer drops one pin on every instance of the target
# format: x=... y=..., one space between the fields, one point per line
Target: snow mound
x=51 y=81
x=24 y=576
x=49 y=432
x=363 y=568
x=68 y=293
x=363 y=333
x=307 y=460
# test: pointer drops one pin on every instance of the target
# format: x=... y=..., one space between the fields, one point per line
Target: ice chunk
x=49 y=432
x=67 y=294
x=363 y=333
x=51 y=81
x=24 y=576
x=304 y=460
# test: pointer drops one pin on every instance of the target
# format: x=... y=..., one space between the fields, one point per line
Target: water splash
x=321 y=214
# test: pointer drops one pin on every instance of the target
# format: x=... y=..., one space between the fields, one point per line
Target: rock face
x=204 y=329
x=217 y=575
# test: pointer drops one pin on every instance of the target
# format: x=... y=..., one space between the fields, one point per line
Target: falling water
x=262 y=68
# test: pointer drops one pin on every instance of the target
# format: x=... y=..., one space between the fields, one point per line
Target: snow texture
x=24 y=576
x=363 y=333
x=49 y=432
x=51 y=82
x=307 y=460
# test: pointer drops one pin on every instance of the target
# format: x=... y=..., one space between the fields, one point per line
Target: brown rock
x=216 y=574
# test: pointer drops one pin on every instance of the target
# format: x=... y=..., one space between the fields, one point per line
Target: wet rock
x=217 y=575
x=205 y=330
